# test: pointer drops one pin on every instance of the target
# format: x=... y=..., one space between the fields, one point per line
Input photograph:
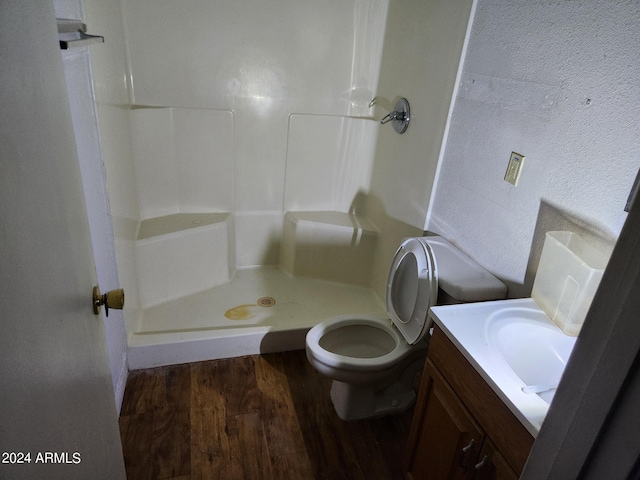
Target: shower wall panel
x=329 y=161
x=184 y=160
x=207 y=54
x=420 y=61
x=263 y=61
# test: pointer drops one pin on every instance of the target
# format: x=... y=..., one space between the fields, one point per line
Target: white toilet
x=373 y=359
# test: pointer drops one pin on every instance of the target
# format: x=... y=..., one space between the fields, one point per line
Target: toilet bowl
x=374 y=359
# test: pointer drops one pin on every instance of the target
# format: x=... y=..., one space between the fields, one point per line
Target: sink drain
x=266 y=301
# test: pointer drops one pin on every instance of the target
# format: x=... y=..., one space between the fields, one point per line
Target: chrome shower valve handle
x=400 y=116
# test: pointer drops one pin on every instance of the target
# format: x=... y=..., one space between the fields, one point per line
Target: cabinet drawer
x=510 y=437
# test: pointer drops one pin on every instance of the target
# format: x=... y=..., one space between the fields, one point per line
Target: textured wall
x=557 y=82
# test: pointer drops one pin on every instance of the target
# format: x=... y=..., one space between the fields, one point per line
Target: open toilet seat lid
x=412 y=288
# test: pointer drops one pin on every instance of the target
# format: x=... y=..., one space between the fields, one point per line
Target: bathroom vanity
x=461 y=429
x=489 y=378
x=493 y=368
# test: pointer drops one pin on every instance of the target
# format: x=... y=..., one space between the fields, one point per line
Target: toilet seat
x=388 y=357
x=412 y=288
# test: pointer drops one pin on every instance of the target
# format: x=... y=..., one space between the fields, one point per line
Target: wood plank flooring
x=258 y=417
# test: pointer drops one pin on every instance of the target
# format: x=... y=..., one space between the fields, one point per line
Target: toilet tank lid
x=461 y=277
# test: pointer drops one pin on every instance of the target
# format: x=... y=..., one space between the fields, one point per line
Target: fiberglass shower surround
x=246 y=176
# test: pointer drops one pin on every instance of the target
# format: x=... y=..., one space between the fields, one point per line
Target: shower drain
x=266 y=301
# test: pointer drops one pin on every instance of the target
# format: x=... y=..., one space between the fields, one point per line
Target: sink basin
x=532 y=348
x=515 y=347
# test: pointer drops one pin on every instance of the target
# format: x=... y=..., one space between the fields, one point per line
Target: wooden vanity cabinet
x=492 y=465
x=449 y=439
x=461 y=429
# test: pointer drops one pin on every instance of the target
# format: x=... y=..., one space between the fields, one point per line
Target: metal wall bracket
x=73 y=33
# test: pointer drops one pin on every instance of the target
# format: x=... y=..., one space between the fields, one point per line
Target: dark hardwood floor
x=258 y=417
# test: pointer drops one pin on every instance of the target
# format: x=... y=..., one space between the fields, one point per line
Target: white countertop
x=466 y=326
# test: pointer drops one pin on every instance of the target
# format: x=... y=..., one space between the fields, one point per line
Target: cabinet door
x=445 y=439
x=492 y=465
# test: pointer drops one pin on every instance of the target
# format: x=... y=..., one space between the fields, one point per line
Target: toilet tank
x=460 y=279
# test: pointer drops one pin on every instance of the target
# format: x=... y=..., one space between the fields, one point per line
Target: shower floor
x=261 y=310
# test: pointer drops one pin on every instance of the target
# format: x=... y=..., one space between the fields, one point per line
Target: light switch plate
x=514 y=168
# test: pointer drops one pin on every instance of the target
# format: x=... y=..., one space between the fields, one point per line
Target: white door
x=57 y=414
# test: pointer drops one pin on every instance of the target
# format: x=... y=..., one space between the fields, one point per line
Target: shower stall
x=253 y=192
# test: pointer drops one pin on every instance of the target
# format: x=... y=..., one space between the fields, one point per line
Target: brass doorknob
x=112 y=299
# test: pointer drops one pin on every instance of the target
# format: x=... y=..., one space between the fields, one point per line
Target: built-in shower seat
x=181 y=254
x=328 y=245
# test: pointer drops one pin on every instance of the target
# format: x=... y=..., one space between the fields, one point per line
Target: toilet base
x=355 y=402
